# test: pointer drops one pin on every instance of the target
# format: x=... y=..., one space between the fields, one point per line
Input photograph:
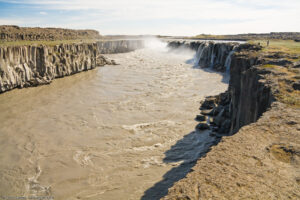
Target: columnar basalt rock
x=208 y=54
x=24 y=66
x=250 y=94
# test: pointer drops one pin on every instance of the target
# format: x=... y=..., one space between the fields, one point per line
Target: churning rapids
x=116 y=132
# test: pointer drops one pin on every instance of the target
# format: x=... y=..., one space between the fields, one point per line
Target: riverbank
x=261 y=161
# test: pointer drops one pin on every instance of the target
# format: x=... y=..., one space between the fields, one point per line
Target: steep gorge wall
x=119 y=46
x=24 y=66
x=248 y=95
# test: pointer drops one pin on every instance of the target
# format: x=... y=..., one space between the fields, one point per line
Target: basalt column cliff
x=32 y=65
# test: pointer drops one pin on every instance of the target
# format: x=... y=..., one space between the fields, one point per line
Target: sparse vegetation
x=287 y=75
x=15 y=33
x=269 y=66
x=284 y=46
x=45 y=42
x=288 y=96
x=251 y=36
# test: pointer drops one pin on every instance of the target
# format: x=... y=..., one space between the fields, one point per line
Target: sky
x=157 y=17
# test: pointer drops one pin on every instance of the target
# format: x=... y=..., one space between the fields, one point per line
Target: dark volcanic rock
x=250 y=95
x=296 y=86
x=200 y=118
x=202 y=126
x=209 y=103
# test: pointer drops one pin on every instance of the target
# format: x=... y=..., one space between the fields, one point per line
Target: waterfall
x=228 y=60
x=199 y=53
x=212 y=57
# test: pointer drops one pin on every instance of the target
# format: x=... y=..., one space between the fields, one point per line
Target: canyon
x=127 y=131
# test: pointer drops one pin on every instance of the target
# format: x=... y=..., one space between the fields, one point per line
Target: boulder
x=202 y=126
x=208 y=103
x=200 y=118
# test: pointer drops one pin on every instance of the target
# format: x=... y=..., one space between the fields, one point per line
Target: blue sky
x=166 y=17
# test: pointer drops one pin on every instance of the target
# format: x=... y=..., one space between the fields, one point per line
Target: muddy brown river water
x=116 y=132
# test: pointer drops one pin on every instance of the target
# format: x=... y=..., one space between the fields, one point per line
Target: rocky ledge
x=24 y=66
x=258 y=119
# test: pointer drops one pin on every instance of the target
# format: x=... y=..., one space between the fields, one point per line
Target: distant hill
x=16 y=33
x=252 y=36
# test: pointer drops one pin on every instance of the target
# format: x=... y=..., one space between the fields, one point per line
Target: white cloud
x=43 y=13
x=176 y=17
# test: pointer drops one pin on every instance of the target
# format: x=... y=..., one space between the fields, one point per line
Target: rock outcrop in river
x=24 y=66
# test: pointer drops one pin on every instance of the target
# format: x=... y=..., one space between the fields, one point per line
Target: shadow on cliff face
x=185 y=152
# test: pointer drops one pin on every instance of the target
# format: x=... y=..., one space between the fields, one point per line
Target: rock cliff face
x=25 y=66
x=119 y=46
x=214 y=55
x=250 y=94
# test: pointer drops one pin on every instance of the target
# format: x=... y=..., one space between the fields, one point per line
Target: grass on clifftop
x=285 y=76
x=290 y=50
x=284 y=46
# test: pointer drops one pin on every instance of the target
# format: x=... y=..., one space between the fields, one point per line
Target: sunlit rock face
x=25 y=66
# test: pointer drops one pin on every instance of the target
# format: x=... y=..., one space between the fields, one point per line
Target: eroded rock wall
x=250 y=93
x=119 y=46
x=24 y=66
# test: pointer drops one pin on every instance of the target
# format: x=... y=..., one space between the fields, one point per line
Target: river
x=116 y=132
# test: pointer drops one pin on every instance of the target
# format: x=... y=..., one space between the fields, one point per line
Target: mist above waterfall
x=157 y=45
x=215 y=55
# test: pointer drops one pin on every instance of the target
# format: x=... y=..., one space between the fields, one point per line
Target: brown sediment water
x=109 y=133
